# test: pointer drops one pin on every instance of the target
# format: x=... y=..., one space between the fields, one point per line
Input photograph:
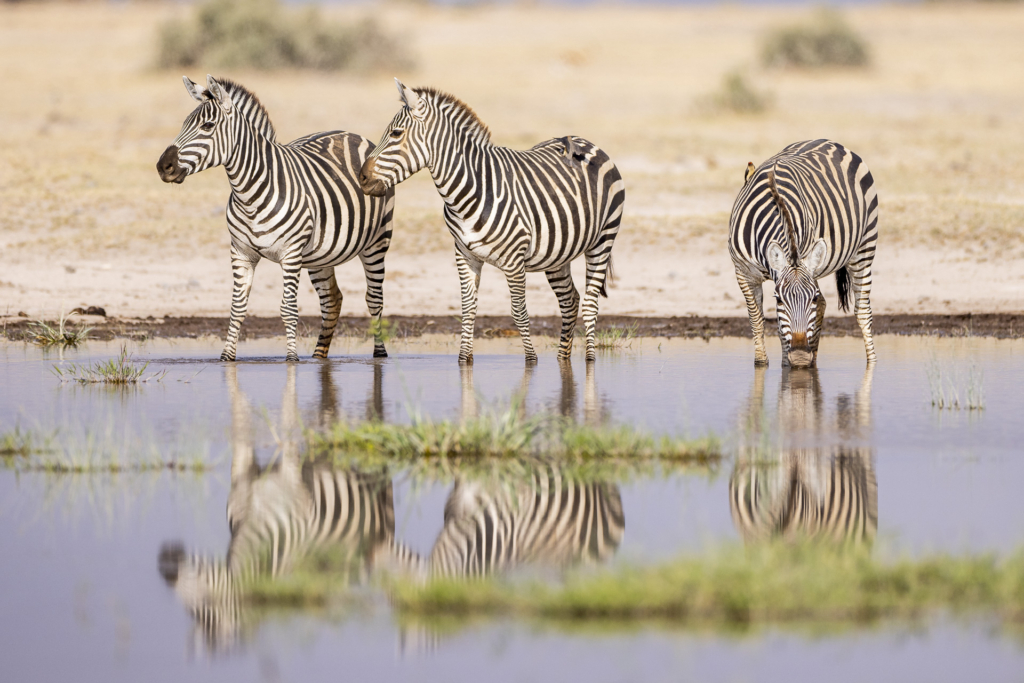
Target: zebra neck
x=460 y=170
x=250 y=162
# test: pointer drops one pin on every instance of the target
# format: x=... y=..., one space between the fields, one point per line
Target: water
x=84 y=593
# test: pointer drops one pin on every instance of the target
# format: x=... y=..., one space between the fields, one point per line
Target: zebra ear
x=197 y=91
x=815 y=261
x=409 y=98
x=777 y=257
x=218 y=94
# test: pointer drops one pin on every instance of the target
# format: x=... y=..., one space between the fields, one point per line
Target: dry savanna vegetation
x=681 y=97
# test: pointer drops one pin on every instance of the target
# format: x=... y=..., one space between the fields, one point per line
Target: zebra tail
x=609 y=278
x=843 y=285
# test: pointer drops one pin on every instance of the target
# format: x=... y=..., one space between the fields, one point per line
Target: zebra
x=809 y=211
x=825 y=492
x=520 y=211
x=297 y=204
x=276 y=517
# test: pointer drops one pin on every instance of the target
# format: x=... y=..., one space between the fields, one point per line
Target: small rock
x=69 y=269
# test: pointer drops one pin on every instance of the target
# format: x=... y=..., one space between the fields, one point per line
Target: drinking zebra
x=826 y=492
x=297 y=204
x=809 y=211
x=520 y=211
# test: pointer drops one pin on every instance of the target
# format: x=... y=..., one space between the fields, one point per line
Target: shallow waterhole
x=83 y=550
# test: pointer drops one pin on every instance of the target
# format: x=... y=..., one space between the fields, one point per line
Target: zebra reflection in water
x=822 y=492
x=281 y=513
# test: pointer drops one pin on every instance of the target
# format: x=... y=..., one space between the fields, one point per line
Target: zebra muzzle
x=168 y=168
x=372 y=186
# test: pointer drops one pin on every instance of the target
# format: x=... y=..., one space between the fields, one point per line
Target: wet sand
x=997 y=325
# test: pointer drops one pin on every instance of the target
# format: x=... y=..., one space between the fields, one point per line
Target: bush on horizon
x=826 y=40
x=261 y=34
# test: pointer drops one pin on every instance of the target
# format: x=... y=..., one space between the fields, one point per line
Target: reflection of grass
x=62 y=335
x=120 y=370
x=737 y=586
x=508 y=434
x=22 y=443
x=950 y=391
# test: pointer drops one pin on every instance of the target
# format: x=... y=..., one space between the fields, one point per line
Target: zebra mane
x=468 y=117
x=794 y=255
x=250 y=106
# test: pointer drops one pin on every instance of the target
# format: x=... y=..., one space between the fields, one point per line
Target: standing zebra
x=520 y=211
x=297 y=204
x=825 y=492
x=809 y=211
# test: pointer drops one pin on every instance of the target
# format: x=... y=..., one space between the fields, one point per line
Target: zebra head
x=206 y=136
x=798 y=298
x=403 y=150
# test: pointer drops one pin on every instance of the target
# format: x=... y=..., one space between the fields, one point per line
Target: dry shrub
x=260 y=34
x=736 y=95
x=826 y=40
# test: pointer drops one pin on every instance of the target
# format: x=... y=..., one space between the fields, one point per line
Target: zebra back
x=827 y=191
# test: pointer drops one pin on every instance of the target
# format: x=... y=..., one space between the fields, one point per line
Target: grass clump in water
x=508 y=434
x=615 y=337
x=735 y=586
x=826 y=40
x=261 y=34
x=950 y=390
x=120 y=370
x=62 y=335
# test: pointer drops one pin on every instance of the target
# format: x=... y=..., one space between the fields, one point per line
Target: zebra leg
x=597 y=271
x=291 y=265
x=753 y=294
x=517 y=288
x=326 y=286
x=569 y=303
x=373 y=267
x=860 y=275
x=469 y=278
x=243 y=267
x=819 y=321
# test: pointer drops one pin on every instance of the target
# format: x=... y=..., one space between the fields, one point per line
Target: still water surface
x=84 y=594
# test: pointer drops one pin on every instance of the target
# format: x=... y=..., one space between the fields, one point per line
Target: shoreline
x=995 y=325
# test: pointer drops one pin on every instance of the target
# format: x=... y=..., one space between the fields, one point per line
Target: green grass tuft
x=826 y=40
x=950 y=390
x=121 y=370
x=22 y=443
x=736 y=95
x=62 y=335
x=736 y=586
x=615 y=337
x=262 y=34
x=507 y=434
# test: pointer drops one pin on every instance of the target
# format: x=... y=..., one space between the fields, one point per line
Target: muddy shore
x=998 y=325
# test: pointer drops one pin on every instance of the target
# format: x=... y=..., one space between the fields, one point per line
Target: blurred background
x=681 y=95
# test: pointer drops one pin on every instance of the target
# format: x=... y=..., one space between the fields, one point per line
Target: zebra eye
x=397 y=133
x=208 y=126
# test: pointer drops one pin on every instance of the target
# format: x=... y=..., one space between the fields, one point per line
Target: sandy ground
x=84 y=220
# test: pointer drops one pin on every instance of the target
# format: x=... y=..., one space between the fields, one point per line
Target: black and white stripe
x=297 y=204
x=521 y=211
x=808 y=212
x=827 y=492
x=545 y=518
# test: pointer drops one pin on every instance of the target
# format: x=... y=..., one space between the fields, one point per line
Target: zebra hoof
x=531 y=360
x=465 y=360
x=229 y=357
x=318 y=355
x=292 y=358
x=380 y=353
